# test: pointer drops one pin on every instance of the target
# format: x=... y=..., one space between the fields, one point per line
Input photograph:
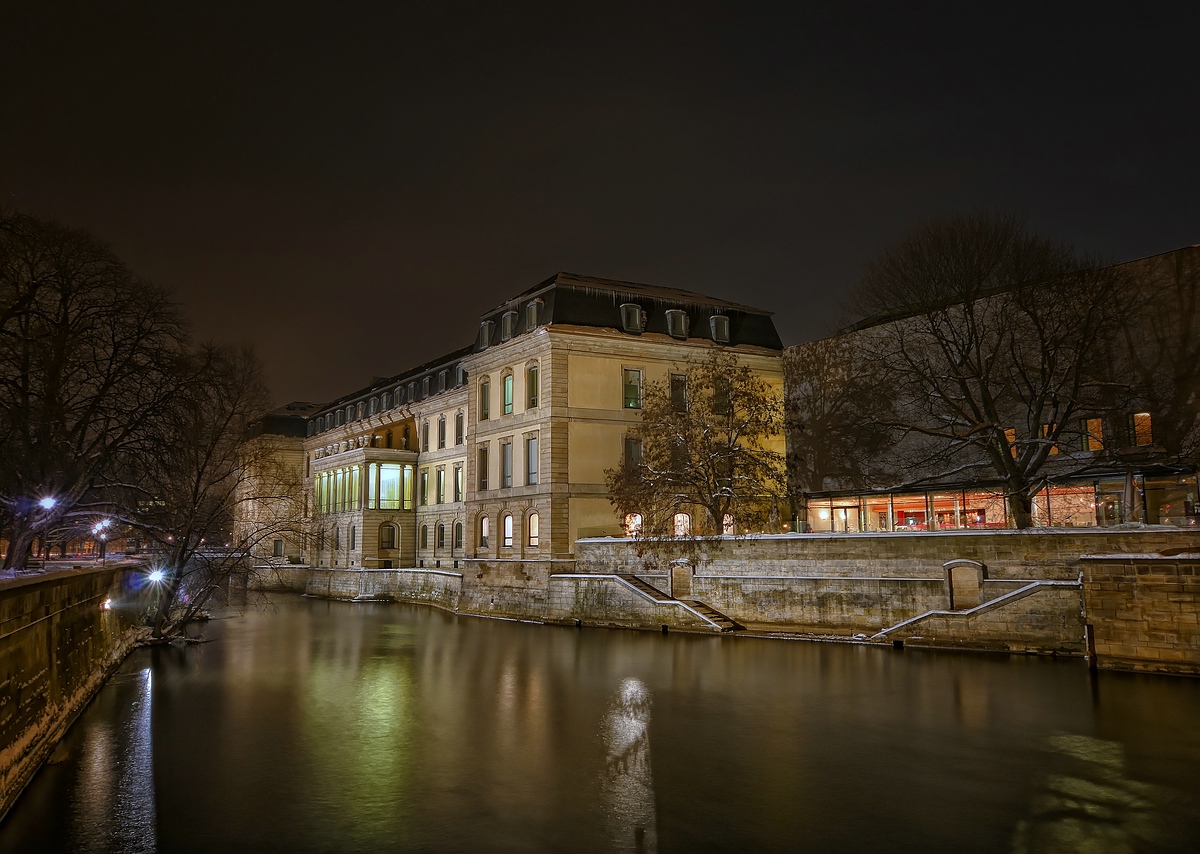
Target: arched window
x=442 y=431
x=387 y=536
x=337 y=538
x=727 y=527
x=633 y=524
x=531 y=527
x=458 y=535
x=441 y=536
x=484 y=529
x=388 y=439
x=683 y=524
x=353 y=537
x=508 y=530
x=424 y=536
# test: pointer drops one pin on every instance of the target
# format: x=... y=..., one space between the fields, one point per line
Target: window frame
x=626 y=385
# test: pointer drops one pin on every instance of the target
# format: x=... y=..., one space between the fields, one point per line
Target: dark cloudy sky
x=349 y=185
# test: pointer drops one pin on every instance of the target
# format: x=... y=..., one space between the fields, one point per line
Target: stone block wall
x=1144 y=611
x=57 y=646
x=515 y=589
x=596 y=600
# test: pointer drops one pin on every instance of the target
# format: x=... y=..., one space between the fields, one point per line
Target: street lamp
x=48 y=503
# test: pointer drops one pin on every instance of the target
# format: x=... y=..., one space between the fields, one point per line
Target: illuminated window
x=531 y=388
x=532 y=527
x=507 y=398
x=458 y=535
x=441 y=432
x=633 y=524
x=1010 y=437
x=484 y=528
x=485 y=400
x=1047 y=432
x=508 y=530
x=1093 y=434
x=458 y=483
x=387 y=536
x=727 y=527
x=719 y=324
x=683 y=524
x=1140 y=429
x=441 y=486
x=632 y=318
x=424 y=486
x=631 y=380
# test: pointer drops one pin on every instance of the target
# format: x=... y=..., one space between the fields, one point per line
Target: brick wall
x=1145 y=611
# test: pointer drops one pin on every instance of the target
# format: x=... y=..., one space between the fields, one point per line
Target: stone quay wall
x=1143 y=611
x=1012 y=591
x=58 y=644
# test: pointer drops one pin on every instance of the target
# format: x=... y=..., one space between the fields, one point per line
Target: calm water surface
x=325 y=726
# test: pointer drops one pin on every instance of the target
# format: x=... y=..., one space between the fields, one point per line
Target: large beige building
x=498 y=450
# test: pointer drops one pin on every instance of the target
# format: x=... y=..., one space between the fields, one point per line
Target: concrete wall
x=57 y=646
x=1145 y=611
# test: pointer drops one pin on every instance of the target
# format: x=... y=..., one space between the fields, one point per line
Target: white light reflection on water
x=628 y=787
x=113 y=805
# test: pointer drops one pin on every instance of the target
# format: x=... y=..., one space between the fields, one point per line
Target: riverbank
x=62 y=634
x=1048 y=592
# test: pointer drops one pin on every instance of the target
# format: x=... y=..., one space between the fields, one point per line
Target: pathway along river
x=330 y=726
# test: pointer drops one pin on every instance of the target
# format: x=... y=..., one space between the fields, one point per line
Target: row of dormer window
x=508 y=324
x=633 y=321
x=390 y=399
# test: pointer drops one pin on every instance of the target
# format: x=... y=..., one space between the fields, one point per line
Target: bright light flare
x=156 y=576
x=47 y=503
x=106 y=605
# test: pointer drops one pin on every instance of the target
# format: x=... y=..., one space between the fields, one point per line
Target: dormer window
x=533 y=314
x=443 y=376
x=425 y=387
x=485 y=334
x=460 y=376
x=412 y=391
x=677 y=323
x=385 y=400
x=719 y=324
x=373 y=406
x=508 y=325
x=632 y=318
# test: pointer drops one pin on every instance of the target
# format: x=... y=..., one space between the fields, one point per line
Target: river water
x=329 y=726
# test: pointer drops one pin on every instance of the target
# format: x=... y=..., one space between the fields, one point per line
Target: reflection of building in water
x=628 y=787
x=113 y=807
x=1091 y=805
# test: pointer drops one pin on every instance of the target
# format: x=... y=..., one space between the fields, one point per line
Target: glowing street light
x=48 y=503
x=156 y=576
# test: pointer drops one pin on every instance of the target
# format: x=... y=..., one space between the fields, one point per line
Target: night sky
x=349 y=186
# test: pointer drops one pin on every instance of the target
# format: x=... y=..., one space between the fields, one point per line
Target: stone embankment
x=1009 y=591
x=61 y=635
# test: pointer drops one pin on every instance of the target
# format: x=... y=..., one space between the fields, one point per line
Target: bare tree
x=835 y=412
x=703 y=448
x=87 y=362
x=990 y=340
x=195 y=474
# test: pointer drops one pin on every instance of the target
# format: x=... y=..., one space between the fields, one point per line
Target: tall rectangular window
x=485 y=400
x=389 y=487
x=633 y=451
x=459 y=429
x=1141 y=430
x=424 y=486
x=631 y=380
x=442 y=432
x=506 y=464
x=679 y=400
x=458 y=483
x=1093 y=434
x=508 y=393
x=483 y=467
x=425 y=436
x=441 y=486
x=531 y=460
x=531 y=388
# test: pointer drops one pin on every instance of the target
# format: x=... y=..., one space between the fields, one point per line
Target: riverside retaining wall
x=57 y=646
x=1012 y=591
x=1144 y=611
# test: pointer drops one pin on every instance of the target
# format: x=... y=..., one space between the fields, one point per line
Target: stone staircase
x=715 y=618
